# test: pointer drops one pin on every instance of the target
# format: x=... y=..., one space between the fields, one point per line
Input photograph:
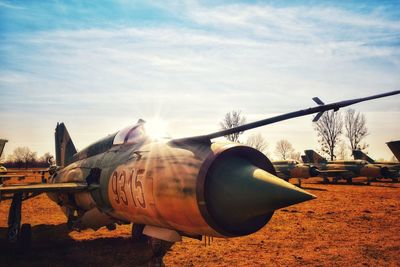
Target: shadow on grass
x=52 y=246
x=314 y=188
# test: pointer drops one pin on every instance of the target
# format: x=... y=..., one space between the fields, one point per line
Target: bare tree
x=342 y=151
x=45 y=157
x=258 y=142
x=329 y=129
x=233 y=119
x=283 y=149
x=356 y=129
x=296 y=156
x=23 y=156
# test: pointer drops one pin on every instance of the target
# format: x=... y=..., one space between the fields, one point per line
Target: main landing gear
x=18 y=236
x=158 y=247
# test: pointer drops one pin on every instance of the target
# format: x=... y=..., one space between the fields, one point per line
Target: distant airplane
x=343 y=169
x=2 y=145
x=393 y=168
x=167 y=188
x=287 y=169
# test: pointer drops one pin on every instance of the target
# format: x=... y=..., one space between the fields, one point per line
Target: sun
x=156 y=128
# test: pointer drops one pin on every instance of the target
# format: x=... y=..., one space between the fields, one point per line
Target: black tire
x=25 y=237
x=159 y=248
x=137 y=233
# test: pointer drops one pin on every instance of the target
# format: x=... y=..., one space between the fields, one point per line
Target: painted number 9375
x=127 y=188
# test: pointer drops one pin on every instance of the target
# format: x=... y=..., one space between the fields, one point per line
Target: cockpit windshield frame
x=132 y=134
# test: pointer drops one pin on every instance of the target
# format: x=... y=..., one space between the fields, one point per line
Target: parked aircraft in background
x=393 y=168
x=343 y=169
x=287 y=169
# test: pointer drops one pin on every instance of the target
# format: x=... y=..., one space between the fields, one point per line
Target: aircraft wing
x=320 y=109
x=9 y=176
x=39 y=188
x=24 y=171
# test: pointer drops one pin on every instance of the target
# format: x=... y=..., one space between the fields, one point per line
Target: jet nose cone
x=277 y=192
x=238 y=192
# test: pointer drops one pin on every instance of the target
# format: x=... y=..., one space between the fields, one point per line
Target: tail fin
x=65 y=148
x=358 y=154
x=314 y=157
x=2 y=144
x=305 y=159
x=395 y=147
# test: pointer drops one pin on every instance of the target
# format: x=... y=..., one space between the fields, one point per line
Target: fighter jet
x=2 y=144
x=393 y=168
x=165 y=188
x=287 y=169
x=344 y=169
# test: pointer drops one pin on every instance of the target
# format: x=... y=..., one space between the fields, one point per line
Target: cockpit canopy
x=132 y=134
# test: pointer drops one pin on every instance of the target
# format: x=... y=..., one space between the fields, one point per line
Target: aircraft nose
x=237 y=192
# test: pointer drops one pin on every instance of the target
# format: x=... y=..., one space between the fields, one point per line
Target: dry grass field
x=346 y=225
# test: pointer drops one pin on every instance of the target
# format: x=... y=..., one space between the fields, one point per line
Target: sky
x=99 y=66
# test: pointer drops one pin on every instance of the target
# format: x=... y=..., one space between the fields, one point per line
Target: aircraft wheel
x=159 y=248
x=25 y=237
x=349 y=180
x=137 y=233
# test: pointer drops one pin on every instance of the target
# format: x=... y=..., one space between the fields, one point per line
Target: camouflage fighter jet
x=393 y=168
x=344 y=169
x=2 y=145
x=165 y=188
x=394 y=146
x=287 y=169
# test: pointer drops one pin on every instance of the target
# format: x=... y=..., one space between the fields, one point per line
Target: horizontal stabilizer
x=318 y=116
x=318 y=101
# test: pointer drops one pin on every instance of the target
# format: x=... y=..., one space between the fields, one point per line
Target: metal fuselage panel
x=158 y=188
x=152 y=184
x=353 y=168
x=291 y=170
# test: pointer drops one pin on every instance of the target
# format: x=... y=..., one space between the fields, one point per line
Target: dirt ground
x=346 y=225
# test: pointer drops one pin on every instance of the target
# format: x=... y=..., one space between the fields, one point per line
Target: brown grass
x=346 y=225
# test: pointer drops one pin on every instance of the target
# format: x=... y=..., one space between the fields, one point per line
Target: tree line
x=24 y=157
x=330 y=129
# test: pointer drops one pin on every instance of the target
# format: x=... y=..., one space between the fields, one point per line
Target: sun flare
x=156 y=128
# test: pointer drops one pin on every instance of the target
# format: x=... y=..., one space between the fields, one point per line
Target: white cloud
x=4 y=4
